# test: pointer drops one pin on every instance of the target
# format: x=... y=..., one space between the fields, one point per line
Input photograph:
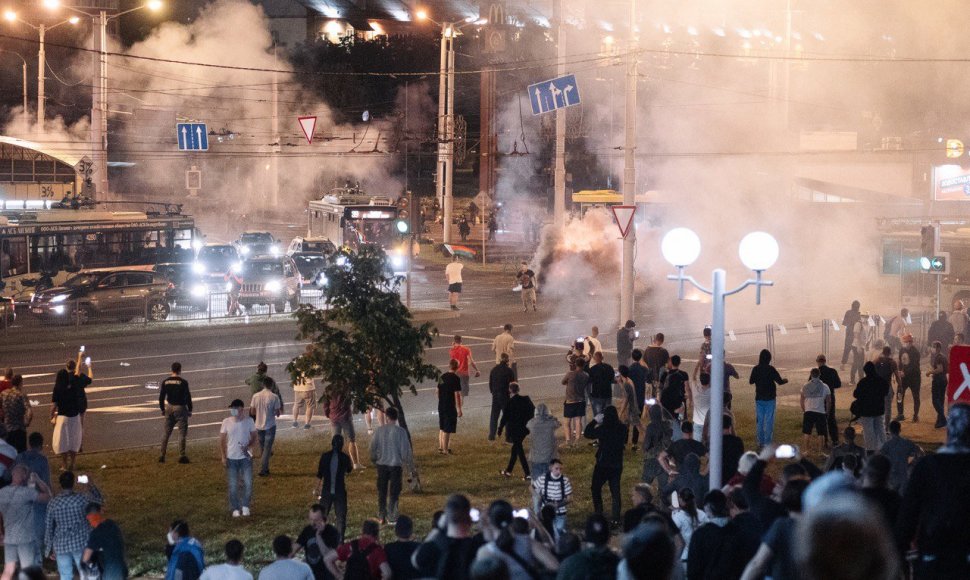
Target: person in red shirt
x=367 y=543
x=463 y=355
x=7 y=379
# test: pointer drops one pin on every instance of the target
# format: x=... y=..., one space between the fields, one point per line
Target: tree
x=364 y=343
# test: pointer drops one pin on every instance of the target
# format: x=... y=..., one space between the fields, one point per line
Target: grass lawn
x=144 y=496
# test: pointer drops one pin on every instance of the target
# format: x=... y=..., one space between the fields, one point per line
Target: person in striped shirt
x=553 y=488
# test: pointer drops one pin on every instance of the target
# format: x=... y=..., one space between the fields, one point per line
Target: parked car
x=268 y=280
x=124 y=293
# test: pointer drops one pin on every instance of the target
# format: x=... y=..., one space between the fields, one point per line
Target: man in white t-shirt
x=815 y=400
x=267 y=407
x=453 y=275
x=237 y=437
x=232 y=569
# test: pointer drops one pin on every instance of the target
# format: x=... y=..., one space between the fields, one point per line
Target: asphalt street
x=123 y=408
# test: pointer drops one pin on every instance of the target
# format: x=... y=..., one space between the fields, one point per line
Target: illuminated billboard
x=951 y=183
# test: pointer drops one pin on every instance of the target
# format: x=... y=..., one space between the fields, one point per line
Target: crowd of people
x=884 y=509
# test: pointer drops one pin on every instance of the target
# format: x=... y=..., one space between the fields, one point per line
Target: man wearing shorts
x=574 y=407
x=304 y=395
x=463 y=355
x=815 y=400
x=342 y=419
x=453 y=276
x=68 y=404
x=449 y=407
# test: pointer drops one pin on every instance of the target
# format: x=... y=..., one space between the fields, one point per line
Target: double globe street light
x=758 y=251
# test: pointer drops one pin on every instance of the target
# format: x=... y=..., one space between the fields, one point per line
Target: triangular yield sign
x=308 y=124
x=624 y=217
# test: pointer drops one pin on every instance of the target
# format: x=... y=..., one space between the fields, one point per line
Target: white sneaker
x=235 y=513
x=246 y=512
x=358 y=466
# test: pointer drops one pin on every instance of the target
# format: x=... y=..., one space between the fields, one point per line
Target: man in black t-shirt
x=175 y=401
x=449 y=406
x=680 y=449
x=450 y=548
x=673 y=395
x=106 y=546
x=601 y=378
x=400 y=551
x=732 y=448
x=527 y=279
x=307 y=541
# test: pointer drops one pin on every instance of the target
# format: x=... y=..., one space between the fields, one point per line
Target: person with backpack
x=553 y=489
x=186 y=558
x=365 y=557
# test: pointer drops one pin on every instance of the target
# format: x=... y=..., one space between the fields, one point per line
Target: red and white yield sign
x=958 y=387
x=308 y=124
x=623 y=214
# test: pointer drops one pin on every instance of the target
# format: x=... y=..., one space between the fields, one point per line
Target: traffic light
x=403 y=222
x=927 y=242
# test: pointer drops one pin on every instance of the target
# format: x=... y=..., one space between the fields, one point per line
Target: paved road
x=216 y=360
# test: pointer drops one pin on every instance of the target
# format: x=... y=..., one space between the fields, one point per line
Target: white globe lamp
x=681 y=247
x=758 y=251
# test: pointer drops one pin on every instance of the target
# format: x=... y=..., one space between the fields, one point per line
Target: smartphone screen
x=675 y=500
x=786 y=451
x=82 y=479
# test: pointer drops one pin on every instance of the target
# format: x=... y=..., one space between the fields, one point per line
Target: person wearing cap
x=237 y=437
x=624 y=343
x=909 y=369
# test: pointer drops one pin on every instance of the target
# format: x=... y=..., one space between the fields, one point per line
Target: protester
x=553 y=489
x=936 y=507
x=656 y=357
x=516 y=416
x=849 y=447
x=17 y=503
x=449 y=549
x=816 y=403
x=390 y=451
x=399 y=552
x=318 y=541
x=331 y=482
x=527 y=280
x=574 y=407
x=285 y=567
x=700 y=400
x=938 y=375
x=508 y=539
x=37 y=464
x=453 y=277
x=265 y=407
x=624 y=343
x=702 y=551
x=68 y=404
x=888 y=371
x=499 y=379
x=687 y=518
x=875 y=486
x=504 y=343
x=16 y=412
x=648 y=553
x=678 y=450
x=257 y=381
x=656 y=440
x=848 y=322
x=237 y=437
x=629 y=407
x=640 y=374
x=909 y=368
x=861 y=337
x=703 y=364
x=67 y=528
x=601 y=379
x=902 y=453
x=104 y=556
x=596 y=560
x=870 y=394
x=765 y=379
x=732 y=448
x=305 y=396
x=830 y=377
x=175 y=402
x=777 y=548
x=688 y=476
x=364 y=557
x=542 y=427
x=941 y=330
x=611 y=435
x=673 y=394
x=336 y=407
x=958 y=319
x=185 y=555
x=233 y=568
x=461 y=353
x=449 y=406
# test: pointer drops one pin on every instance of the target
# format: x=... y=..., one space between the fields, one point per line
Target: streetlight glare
x=758 y=251
x=73 y=19
x=681 y=247
x=52 y=4
x=154 y=5
x=421 y=14
x=9 y=15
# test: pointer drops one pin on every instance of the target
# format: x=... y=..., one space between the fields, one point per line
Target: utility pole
x=559 y=201
x=450 y=126
x=629 y=171
x=103 y=105
x=41 y=69
x=446 y=138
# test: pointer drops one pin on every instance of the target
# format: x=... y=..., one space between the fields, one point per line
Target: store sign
x=951 y=183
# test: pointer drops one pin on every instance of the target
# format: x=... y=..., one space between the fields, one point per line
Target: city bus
x=39 y=238
x=350 y=219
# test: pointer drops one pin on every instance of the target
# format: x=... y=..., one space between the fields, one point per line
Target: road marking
x=124 y=407
x=114 y=388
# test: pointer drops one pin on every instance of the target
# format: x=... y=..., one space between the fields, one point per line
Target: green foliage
x=365 y=345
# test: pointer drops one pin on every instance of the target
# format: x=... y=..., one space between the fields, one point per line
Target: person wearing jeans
x=390 y=451
x=765 y=379
x=266 y=407
x=237 y=437
x=331 y=484
x=870 y=394
x=67 y=528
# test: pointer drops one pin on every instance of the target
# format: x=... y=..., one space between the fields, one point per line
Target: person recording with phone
x=237 y=437
x=67 y=528
x=611 y=435
x=68 y=404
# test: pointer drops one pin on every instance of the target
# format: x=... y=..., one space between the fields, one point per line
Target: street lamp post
x=99 y=101
x=21 y=57
x=758 y=251
x=444 y=176
x=41 y=29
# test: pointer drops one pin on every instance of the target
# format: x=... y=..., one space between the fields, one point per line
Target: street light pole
x=559 y=200
x=442 y=177
x=41 y=67
x=24 y=66
x=758 y=251
x=629 y=172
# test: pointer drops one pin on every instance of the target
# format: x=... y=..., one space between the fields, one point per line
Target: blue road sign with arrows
x=554 y=94
x=192 y=136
